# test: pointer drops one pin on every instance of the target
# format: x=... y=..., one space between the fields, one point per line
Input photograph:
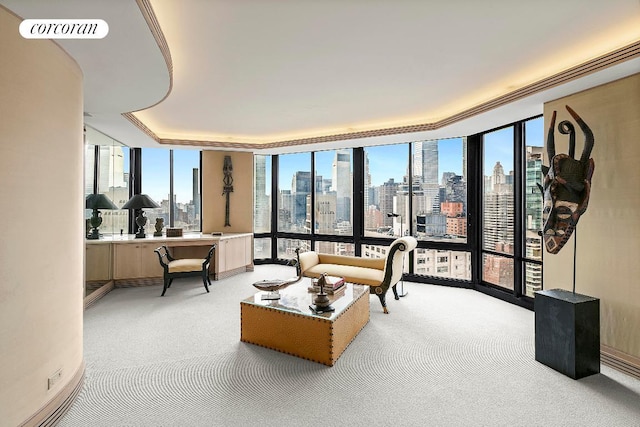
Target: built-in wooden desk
x=131 y=261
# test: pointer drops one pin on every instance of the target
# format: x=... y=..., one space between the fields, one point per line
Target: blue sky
x=155 y=173
x=390 y=161
x=385 y=161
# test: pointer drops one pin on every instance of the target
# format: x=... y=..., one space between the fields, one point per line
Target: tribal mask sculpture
x=227 y=189
x=567 y=184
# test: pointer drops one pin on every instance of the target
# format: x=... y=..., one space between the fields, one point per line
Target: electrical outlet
x=54 y=378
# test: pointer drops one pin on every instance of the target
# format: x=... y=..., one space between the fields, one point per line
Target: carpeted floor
x=442 y=357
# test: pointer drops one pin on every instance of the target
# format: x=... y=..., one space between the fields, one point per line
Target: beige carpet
x=442 y=357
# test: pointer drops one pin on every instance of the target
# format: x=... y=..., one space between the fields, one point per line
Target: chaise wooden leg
x=395 y=292
x=383 y=302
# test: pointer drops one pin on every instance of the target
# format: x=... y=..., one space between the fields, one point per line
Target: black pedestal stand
x=567 y=330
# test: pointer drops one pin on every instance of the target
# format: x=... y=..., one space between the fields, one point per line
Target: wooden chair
x=175 y=268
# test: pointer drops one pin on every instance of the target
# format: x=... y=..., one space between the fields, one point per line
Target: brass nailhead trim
x=319 y=319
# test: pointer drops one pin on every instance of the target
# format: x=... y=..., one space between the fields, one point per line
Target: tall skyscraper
x=89 y=157
x=261 y=200
x=425 y=161
x=426 y=167
x=533 y=178
x=111 y=168
x=388 y=191
x=498 y=177
x=194 y=217
x=498 y=213
x=326 y=213
x=464 y=159
x=533 y=222
x=417 y=158
x=367 y=183
x=300 y=189
x=112 y=181
x=285 y=210
x=430 y=162
x=341 y=184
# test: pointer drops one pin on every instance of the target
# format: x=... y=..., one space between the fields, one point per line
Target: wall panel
x=608 y=234
x=213 y=200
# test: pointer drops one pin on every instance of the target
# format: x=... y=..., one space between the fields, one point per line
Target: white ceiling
x=268 y=71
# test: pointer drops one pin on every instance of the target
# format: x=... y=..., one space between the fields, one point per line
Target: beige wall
x=41 y=256
x=241 y=200
x=608 y=234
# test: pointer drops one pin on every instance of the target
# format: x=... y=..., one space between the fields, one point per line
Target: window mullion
x=518 y=203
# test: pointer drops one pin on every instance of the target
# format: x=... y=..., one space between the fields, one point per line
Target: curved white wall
x=41 y=220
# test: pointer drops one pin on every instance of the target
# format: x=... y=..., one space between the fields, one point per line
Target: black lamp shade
x=99 y=201
x=140 y=201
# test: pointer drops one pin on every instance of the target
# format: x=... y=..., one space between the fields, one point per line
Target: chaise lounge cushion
x=364 y=271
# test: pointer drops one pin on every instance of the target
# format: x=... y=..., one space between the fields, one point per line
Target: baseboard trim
x=134 y=283
x=94 y=296
x=50 y=414
x=229 y=273
x=620 y=361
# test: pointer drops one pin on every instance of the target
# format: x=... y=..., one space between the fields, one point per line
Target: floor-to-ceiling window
x=472 y=203
x=294 y=201
x=532 y=221
x=439 y=195
x=186 y=189
x=386 y=185
x=156 y=181
x=498 y=208
x=439 y=207
x=262 y=206
x=333 y=195
x=512 y=208
x=172 y=179
x=107 y=172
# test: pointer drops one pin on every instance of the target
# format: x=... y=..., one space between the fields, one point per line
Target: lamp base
x=141 y=220
x=95 y=222
x=94 y=235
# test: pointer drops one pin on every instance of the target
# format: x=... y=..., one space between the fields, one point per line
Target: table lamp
x=95 y=202
x=140 y=201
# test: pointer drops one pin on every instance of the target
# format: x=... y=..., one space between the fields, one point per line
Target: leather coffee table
x=288 y=325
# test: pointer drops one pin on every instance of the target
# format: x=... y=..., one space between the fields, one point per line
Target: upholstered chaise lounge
x=379 y=274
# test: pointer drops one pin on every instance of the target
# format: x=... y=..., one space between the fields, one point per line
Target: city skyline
x=156 y=179
x=390 y=162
